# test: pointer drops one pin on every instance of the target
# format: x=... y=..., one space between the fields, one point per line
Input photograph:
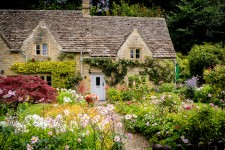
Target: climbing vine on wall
x=117 y=70
x=62 y=72
x=156 y=69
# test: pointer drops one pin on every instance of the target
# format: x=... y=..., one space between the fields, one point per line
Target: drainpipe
x=81 y=64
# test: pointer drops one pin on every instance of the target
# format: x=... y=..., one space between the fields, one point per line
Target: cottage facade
x=46 y=34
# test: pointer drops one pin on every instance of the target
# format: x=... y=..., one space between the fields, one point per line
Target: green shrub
x=184 y=71
x=114 y=95
x=203 y=56
x=203 y=94
x=216 y=77
x=167 y=87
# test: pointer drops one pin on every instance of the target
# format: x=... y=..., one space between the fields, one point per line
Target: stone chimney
x=86 y=8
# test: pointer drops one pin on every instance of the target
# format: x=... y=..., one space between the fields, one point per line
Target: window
x=97 y=81
x=42 y=49
x=135 y=53
x=47 y=78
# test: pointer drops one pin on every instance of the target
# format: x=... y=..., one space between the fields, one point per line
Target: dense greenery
x=117 y=70
x=61 y=72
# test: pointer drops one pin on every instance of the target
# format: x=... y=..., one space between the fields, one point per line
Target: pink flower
x=209 y=95
x=211 y=104
x=34 y=139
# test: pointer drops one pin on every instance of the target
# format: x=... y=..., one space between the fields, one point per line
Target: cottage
x=43 y=35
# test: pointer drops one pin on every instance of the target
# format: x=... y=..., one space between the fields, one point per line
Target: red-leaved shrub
x=26 y=89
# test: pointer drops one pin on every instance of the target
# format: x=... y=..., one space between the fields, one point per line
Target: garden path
x=138 y=142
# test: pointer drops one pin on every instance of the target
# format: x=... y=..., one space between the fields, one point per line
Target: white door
x=98 y=85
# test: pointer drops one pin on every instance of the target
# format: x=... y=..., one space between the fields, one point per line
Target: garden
x=34 y=115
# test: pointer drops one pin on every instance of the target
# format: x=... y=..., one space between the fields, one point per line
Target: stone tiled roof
x=99 y=35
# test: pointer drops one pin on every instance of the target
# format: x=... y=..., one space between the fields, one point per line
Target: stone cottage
x=47 y=34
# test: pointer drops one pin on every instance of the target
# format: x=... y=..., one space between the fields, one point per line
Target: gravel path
x=138 y=142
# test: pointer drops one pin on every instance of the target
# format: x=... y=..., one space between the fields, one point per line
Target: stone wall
x=134 y=41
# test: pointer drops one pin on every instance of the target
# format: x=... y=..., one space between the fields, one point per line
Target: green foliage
x=203 y=94
x=184 y=71
x=69 y=96
x=167 y=87
x=61 y=72
x=117 y=70
x=159 y=70
x=114 y=95
x=204 y=125
x=204 y=56
x=215 y=77
x=190 y=123
x=135 y=10
x=195 y=22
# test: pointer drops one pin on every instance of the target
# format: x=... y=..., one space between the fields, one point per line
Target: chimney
x=86 y=8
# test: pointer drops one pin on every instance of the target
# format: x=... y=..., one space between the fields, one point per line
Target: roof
x=100 y=35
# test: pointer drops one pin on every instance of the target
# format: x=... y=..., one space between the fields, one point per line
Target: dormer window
x=42 y=49
x=135 y=53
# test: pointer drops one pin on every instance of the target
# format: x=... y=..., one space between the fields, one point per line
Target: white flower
x=128 y=117
x=117 y=138
x=29 y=147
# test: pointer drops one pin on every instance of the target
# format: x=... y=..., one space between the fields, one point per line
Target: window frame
x=133 y=53
x=45 y=78
x=42 y=51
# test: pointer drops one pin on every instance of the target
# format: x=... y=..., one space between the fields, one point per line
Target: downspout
x=81 y=64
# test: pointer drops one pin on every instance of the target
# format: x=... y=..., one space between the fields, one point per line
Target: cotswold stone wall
x=134 y=41
x=41 y=35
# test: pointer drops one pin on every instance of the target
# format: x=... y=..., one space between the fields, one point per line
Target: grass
x=30 y=109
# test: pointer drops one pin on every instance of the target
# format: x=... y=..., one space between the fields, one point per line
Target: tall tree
x=195 y=22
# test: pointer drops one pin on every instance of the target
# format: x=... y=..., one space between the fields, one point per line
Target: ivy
x=62 y=72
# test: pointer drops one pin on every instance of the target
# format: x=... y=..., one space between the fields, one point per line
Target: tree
x=195 y=22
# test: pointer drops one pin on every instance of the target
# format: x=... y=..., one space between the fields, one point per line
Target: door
x=98 y=85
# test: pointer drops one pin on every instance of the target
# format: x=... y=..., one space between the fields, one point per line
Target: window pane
x=131 y=53
x=38 y=50
x=49 y=80
x=44 y=49
x=137 y=53
x=97 y=81
x=42 y=77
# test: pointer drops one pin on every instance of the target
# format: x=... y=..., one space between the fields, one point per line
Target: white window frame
x=43 y=49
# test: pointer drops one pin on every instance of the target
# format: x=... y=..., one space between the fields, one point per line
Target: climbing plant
x=117 y=70
x=156 y=69
x=61 y=72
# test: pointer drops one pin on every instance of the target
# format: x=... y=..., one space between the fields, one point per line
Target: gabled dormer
x=134 y=48
x=41 y=44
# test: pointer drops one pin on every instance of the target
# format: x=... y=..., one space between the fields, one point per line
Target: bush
x=203 y=56
x=184 y=71
x=203 y=94
x=167 y=87
x=216 y=77
x=30 y=89
x=159 y=70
